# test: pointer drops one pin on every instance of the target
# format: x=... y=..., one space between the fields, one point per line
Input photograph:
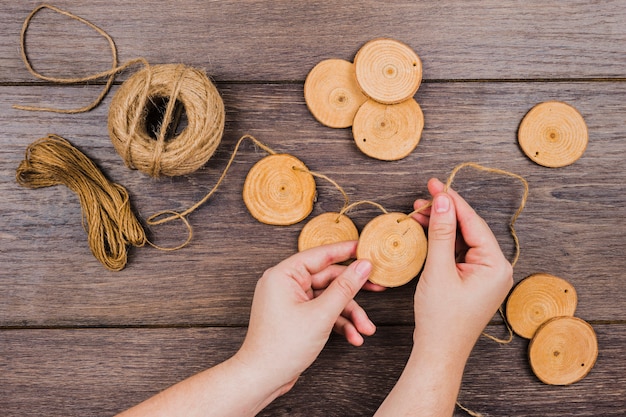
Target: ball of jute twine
x=182 y=87
x=156 y=154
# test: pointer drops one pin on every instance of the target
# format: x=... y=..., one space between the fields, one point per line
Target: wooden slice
x=553 y=134
x=388 y=71
x=537 y=299
x=332 y=93
x=325 y=229
x=388 y=132
x=396 y=246
x=279 y=190
x=563 y=350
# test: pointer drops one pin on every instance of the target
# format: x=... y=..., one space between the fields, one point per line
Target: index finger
x=317 y=259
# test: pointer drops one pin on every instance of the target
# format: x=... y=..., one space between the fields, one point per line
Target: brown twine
x=106 y=212
x=107 y=216
x=184 y=153
x=181 y=85
x=346 y=199
x=110 y=74
x=361 y=203
x=158 y=218
x=511 y=226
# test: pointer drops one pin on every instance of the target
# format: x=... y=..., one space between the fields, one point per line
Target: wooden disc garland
x=388 y=70
x=388 y=132
x=563 y=350
x=332 y=93
x=537 y=299
x=553 y=134
x=279 y=190
x=325 y=229
x=396 y=246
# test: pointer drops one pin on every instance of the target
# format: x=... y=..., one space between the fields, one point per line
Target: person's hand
x=465 y=278
x=297 y=304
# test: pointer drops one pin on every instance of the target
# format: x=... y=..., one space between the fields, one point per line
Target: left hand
x=297 y=304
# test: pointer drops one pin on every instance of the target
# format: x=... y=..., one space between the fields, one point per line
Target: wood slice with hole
x=396 y=245
x=537 y=299
x=332 y=93
x=553 y=134
x=279 y=190
x=563 y=350
x=388 y=132
x=388 y=70
x=327 y=228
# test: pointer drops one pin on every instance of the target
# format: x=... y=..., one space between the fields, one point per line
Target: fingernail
x=363 y=268
x=442 y=203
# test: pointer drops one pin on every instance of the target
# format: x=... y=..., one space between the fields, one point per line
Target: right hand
x=465 y=278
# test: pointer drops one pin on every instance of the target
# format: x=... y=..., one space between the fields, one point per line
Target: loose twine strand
x=115 y=68
x=155 y=154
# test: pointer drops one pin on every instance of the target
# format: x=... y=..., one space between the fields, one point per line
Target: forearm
x=428 y=386
x=231 y=388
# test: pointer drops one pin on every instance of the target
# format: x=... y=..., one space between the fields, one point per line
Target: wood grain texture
x=280 y=40
x=102 y=371
x=76 y=339
x=213 y=284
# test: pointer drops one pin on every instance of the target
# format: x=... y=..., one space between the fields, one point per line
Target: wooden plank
x=102 y=371
x=280 y=40
x=570 y=226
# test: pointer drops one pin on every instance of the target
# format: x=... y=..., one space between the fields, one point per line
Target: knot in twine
x=184 y=89
x=154 y=152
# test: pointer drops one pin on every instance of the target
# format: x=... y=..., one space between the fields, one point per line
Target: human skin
x=454 y=301
x=301 y=300
x=296 y=305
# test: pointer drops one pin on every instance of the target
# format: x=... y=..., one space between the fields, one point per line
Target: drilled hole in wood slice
x=396 y=246
x=553 y=134
x=279 y=190
x=388 y=71
x=537 y=299
x=325 y=229
x=332 y=93
x=563 y=350
x=388 y=132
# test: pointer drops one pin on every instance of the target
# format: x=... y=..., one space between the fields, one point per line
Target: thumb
x=442 y=232
x=344 y=288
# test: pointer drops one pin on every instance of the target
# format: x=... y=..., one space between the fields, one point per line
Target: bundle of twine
x=108 y=219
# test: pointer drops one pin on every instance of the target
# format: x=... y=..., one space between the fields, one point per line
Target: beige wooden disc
x=396 y=246
x=388 y=132
x=279 y=190
x=388 y=71
x=553 y=134
x=332 y=93
x=563 y=350
x=537 y=299
x=325 y=229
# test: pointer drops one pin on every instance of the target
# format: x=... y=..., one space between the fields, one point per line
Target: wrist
x=260 y=378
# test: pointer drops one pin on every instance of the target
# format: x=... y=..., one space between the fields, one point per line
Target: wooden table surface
x=79 y=340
